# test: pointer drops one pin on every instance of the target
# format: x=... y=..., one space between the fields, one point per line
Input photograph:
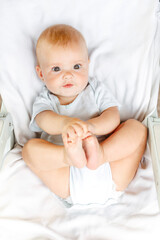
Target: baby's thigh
x=124 y=170
x=57 y=180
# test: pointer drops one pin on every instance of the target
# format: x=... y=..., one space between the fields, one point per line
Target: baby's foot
x=74 y=153
x=93 y=151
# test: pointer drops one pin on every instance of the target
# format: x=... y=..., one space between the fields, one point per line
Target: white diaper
x=92 y=186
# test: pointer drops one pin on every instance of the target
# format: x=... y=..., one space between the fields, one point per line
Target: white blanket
x=123 y=42
x=28 y=210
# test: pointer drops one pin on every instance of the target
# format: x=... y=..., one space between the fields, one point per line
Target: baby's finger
x=84 y=126
x=64 y=137
x=78 y=129
x=71 y=134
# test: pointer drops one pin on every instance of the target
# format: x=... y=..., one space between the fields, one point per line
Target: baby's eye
x=77 y=66
x=56 y=69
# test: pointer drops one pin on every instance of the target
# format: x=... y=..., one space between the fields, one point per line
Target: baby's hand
x=76 y=127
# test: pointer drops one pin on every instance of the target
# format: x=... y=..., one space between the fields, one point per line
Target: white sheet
x=123 y=42
x=28 y=210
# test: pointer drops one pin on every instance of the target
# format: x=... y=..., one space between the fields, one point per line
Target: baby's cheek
x=83 y=76
x=51 y=85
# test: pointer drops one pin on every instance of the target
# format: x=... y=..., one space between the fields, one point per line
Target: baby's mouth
x=69 y=85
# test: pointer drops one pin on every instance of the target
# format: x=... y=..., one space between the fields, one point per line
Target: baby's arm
x=106 y=122
x=50 y=122
x=54 y=124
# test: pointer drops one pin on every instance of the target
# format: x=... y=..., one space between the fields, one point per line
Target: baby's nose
x=68 y=75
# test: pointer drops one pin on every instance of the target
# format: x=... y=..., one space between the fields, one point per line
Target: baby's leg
x=93 y=151
x=57 y=180
x=51 y=162
x=125 y=141
x=74 y=152
x=45 y=156
x=123 y=149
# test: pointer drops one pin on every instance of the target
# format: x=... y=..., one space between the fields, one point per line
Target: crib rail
x=6 y=133
x=154 y=142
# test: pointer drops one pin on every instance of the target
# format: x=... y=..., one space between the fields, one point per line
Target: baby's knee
x=137 y=126
x=28 y=149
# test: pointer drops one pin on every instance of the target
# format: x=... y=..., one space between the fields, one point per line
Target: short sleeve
x=42 y=103
x=104 y=98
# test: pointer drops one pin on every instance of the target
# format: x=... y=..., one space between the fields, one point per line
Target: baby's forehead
x=47 y=46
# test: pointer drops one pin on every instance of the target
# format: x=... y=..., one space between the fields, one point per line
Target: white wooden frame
x=6 y=133
x=154 y=143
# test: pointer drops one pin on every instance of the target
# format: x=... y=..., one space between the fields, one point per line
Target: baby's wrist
x=91 y=127
x=66 y=121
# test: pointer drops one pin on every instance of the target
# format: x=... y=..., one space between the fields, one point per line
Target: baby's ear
x=39 y=72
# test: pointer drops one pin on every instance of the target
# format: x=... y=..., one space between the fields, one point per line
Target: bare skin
x=94 y=152
x=74 y=152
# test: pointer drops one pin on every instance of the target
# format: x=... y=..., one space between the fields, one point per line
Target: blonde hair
x=61 y=35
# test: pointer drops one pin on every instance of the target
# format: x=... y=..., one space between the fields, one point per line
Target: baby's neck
x=66 y=100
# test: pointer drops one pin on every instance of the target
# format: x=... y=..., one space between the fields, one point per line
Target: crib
x=123 y=39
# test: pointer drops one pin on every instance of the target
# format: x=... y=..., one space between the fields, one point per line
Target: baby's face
x=64 y=70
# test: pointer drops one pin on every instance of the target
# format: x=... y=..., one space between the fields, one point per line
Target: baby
x=84 y=151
